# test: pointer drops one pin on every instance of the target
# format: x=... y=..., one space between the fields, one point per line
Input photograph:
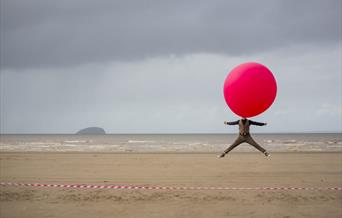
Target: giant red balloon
x=250 y=89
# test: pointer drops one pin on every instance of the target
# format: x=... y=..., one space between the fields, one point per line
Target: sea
x=307 y=142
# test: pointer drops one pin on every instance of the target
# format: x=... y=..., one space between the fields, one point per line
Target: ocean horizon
x=168 y=142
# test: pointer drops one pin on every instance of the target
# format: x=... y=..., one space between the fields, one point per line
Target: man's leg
x=238 y=141
x=251 y=141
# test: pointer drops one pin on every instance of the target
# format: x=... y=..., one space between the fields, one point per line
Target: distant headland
x=91 y=131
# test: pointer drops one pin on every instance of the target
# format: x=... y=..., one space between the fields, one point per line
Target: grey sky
x=154 y=66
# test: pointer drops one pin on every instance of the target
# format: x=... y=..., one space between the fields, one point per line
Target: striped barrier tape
x=88 y=186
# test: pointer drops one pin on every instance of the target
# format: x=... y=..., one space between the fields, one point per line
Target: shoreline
x=165 y=152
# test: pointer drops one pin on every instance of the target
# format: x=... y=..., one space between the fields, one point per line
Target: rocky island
x=91 y=131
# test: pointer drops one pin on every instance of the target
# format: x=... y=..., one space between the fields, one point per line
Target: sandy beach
x=171 y=169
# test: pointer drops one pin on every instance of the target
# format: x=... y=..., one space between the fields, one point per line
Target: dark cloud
x=40 y=33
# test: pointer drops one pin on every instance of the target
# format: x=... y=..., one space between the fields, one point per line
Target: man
x=244 y=136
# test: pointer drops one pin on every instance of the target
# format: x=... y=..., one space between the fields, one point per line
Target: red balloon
x=250 y=89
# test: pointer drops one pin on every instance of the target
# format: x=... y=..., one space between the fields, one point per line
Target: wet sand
x=170 y=169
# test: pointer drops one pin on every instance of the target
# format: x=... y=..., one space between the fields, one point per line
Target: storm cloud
x=39 y=33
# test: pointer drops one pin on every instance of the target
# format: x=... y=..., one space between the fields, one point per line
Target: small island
x=91 y=131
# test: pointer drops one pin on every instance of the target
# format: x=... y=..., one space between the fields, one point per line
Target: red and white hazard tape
x=87 y=186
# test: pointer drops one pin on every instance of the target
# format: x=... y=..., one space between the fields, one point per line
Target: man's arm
x=257 y=123
x=231 y=123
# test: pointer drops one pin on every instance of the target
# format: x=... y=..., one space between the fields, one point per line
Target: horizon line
x=180 y=133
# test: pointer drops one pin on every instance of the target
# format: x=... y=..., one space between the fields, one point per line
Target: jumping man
x=244 y=135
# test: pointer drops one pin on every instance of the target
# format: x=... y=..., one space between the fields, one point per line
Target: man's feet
x=221 y=155
x=267 y=154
